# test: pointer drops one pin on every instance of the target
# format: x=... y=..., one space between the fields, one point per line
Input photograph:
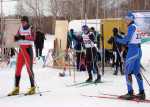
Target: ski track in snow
x=62 y=96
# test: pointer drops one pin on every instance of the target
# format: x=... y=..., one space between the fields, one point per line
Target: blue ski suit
x=133 y=58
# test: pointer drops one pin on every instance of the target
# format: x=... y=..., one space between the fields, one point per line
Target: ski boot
x=98 y=80
x=122 y=73
x=115 y=72
x=14 y=92
x=62 y=74
x=89 y=80
x=141 y=95
x=128 y=96
x=31 y=91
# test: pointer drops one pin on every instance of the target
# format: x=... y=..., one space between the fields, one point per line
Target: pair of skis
x=24 y=94
x=116 y=97
x=82 y=84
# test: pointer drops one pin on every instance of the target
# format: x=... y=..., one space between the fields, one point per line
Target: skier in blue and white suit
x=133 y=58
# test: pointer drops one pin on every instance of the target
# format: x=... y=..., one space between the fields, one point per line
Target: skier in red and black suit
x=24 y=39
x=91 y=52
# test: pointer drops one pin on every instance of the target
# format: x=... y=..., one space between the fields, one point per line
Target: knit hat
x=85 y=27
x=25 y=18
x=130 y=16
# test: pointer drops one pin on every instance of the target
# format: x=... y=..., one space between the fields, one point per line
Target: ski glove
x=19 y=37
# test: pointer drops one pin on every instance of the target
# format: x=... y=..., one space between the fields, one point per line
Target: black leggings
x=38 y=51
x=91 y=61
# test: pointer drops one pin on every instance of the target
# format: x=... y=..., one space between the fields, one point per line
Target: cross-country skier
x=91 y=51
x=133 y=58
x=39 y=42
x=24 y=40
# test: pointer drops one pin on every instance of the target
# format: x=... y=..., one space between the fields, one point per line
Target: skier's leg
x=121 y=68
x=98 y=79
x=116 y=66
x=129 y=95
x=129 y=83
x=28 y=53
x=78 y=60
x=113 y=59
x=40 y=51
x=140 y=82
x=120 y=65
x=115 y=63
x=139 y=79
x=89 y=65
x=36 y=51
x=128 y=74
x=141 y=95
x=94 y=52
x=89 y=69
x=19 y=65
x=28 y=56
x=94 y=60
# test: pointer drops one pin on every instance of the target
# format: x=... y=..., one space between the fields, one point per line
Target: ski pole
x=141 y=66
x=92 y=58
x=145 y=79
x=68 y=57
x=74 y=74
x=44 y=64
x=54 y=57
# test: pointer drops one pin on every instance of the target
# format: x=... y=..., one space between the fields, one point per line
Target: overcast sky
x=9 y=7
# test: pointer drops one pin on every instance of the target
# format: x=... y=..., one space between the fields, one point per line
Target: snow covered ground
x=58 y=93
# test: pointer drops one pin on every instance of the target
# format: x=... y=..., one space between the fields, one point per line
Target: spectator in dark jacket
x=116 y=51
x=39 y=42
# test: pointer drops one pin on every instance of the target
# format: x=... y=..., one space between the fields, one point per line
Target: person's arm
x=92 y=37
x=128 y=37
x=110 y=41
x=18 y=37
x=30 y=37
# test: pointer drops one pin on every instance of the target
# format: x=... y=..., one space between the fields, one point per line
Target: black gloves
x=19 y=37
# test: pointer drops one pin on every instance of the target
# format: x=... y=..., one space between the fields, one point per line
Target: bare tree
x=53 y=7
x=35 y=10
x=75 y=9
x=20 y=9
x=69 y=9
